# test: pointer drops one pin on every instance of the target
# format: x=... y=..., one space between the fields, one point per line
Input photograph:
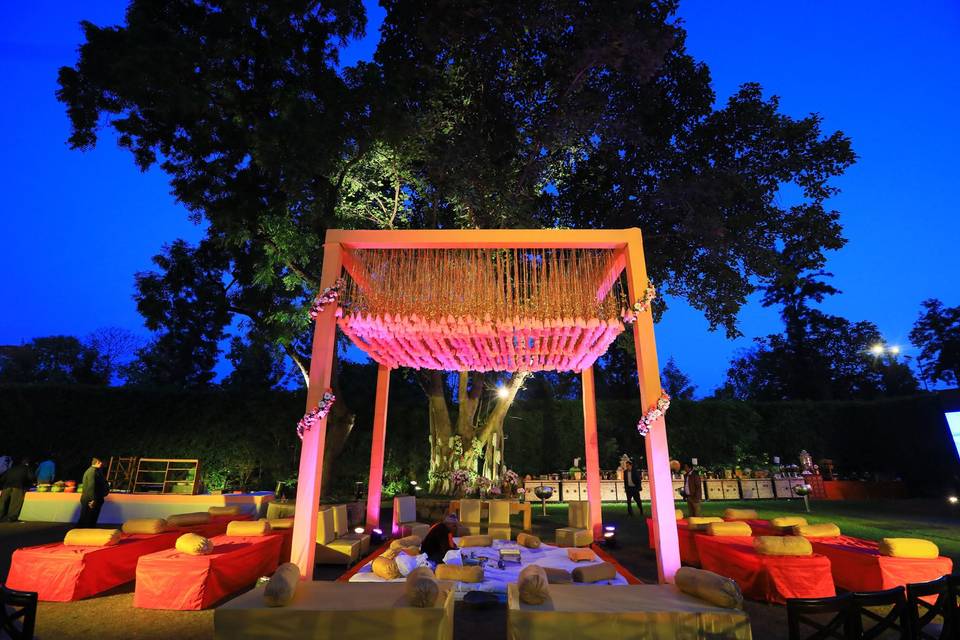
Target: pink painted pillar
x=303 y=545
x=593 y=456
x=658 y=456
x=375 y=484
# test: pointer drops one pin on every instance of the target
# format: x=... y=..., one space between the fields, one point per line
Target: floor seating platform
x=858 y=565
x=335 y=610
x=686 y=538
x=763 y=577
x=169 y=579
x=64 y=573
x=637 y=611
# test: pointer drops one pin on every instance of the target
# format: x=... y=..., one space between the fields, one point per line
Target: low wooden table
x=515 y=507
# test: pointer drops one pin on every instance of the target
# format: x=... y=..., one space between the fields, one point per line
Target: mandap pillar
x=303 y=545
x=375 y=484
x=592 y=453
x=658 y=457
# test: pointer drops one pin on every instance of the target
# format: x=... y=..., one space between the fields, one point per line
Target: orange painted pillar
x=593 y=455
x=658 y=456
x=303 y=545
x=375 y=483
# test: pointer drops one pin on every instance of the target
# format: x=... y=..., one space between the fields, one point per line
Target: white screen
x=953 y=423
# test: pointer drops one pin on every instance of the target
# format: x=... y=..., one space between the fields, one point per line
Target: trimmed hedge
x=252 y=434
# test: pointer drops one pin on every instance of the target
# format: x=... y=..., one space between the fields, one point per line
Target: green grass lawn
x=930 y=519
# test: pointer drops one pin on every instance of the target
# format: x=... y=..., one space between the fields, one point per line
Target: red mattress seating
x=857 y=565
x=686 y=540
x=170 y=579
x=64 y=573
x=760 y=527
x=763 y=577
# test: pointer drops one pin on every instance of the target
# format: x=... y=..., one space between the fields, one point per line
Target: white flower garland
x=646 y=421
x=642 y=305
x=328 y=296
x=319 y=412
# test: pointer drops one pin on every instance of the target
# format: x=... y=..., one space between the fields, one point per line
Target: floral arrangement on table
x=328 y=296
x=646 y=420
x=521 y=493
x=510 y=481
x=494 y=490
x=316 y=414
x=642 y=305
x=460 y=480
x=481 y=485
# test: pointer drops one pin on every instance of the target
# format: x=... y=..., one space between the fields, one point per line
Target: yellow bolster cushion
x=576 y=554
x=825 y=530
x=678 y=514
x=528 y=540
x=145 y=525
x=248 y=528
x=710 y=587
x=782 y=546
x=421 y=588
x=473 y=573
x=740 y=514
x=282 y=585
x=594 y=572
x=280 y=523
x=194 y=544
x=558 y=576
x=908 y=548
x=729 y=529
x=408 y=541
x=476 y=541
x=385 y=567
x=699 y=523
x=532 y=585
x=785 y=522
x=92 y=537
x=188 y=519
x=233 y=510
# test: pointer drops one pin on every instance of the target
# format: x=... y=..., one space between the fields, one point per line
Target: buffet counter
x=119 y=507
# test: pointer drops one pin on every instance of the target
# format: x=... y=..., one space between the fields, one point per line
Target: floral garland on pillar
x=328 y=296
x=640 y=306
x=646 y=420
x=319 y=412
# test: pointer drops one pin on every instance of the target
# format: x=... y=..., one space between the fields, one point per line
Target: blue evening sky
x=77 y=226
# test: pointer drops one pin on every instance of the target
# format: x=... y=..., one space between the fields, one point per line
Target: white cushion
x=406 y=563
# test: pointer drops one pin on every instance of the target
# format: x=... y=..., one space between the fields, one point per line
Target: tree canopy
x=54 y=360
x=937 y=334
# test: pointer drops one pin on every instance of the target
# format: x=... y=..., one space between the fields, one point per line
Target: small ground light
x=610 y=536
x=953 y=499
x=358 y=531
x=376 y=536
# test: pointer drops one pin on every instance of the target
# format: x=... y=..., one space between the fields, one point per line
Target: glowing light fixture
x=502 y=392
x=953 y=499
x=894 y=350
x=877 y=349
x=358 y=531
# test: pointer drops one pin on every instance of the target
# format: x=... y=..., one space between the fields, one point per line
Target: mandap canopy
x=484 y=300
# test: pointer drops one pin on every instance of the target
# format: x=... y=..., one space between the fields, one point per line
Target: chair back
x=405 y=508
x=498 y=512
x=578 y=514
x=470 y=511
x=341 y=525
x=953 y=602
x=877 y=612
x=926 y=601
x=18 y=613
x=326 y=531
x=827 y=617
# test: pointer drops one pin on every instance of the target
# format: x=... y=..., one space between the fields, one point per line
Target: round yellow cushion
x=594 y=572
x=385 y=567
x=421 y=588
x=729 y=529
x=279 y=523
x=248 y=528
x=825 y=530
x=231 y=510
x=282 y=585
x=408 y=541
x=194 y=544
x=710 y=587
x=472 y=573
x=188 y=519
x=528 y=540
x=678 y=514
x=699 y=523
x=740 y=514
x=92 y=537
x=145 y=525
x=476 y=541
x=532 y=585
x=782 y=546
x=785 y=522
x=908 y=548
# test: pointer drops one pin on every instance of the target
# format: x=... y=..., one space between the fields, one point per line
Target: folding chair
x=922 y=613
x=18 y=613
x=876 y=612
x=828 y=617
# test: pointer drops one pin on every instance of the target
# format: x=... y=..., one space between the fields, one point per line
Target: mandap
x=484 y=300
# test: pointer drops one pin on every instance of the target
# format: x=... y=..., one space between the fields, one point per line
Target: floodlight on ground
x=502 y=392
x=953 y=499
x=413 y=482
x=610 y=536
x=358 y=531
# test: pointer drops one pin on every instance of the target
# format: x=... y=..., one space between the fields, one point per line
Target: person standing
x=16 y=481
x=95 y=490
x=46 y=471
x=692 y=489
x=631 y=484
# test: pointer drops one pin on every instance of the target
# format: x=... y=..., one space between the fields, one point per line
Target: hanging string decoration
x=483 y=309
x=316 y=414
x=640 y=306
x=328 y=296
x=650 y=417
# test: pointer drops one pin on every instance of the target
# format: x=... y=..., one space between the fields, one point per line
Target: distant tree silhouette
x=675 y=382
x=53 y=360
x=937 y=334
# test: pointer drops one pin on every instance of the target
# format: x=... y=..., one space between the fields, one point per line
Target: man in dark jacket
x=95 y=490
x=631 y=484
x=692 y=489
x=16 y=481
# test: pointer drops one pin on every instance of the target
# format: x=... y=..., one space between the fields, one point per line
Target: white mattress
x=495 y=579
